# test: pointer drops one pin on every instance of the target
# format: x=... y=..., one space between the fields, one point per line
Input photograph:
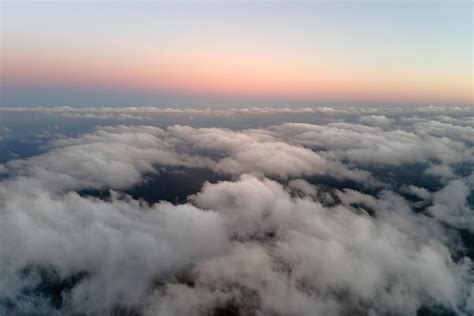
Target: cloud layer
x=271 y=240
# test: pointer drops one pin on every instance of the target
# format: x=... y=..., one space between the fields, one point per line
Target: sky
x=107 y=53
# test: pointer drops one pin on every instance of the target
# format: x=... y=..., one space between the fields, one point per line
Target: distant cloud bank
x=144 y=112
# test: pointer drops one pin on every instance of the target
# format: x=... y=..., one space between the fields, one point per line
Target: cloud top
x=303 y=224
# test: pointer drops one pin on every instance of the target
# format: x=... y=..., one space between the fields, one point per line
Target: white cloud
x=442 y=171
x=366 y=145
x=448 y=114
x=450 y=204
x=122 y=245
x=329 y=260
x=117 y=157
x=420 y=192
x=376 y=120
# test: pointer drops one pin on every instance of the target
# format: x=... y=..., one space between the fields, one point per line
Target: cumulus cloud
x=114 y=157
x=442 y=171
x=420 y=192
x=121 y=245
x=376 y=120
x=366 y=144
x=294 y=256
x=117 y=157
x=450 y=204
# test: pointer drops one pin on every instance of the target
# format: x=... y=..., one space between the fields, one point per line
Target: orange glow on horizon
x=261 y=76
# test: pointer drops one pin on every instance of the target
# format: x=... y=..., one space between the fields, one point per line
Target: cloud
x=365 y=145
x=264 y=242
x=114 y=157
x=366 y=114
x=121 y=245
x=295 y=256
x=450 y=204
x=422 y=193
x=117 y=157
x=376 y=120
x=442 y=171
x=258 y=151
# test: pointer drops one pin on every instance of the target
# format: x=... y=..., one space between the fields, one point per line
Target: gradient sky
x=236 y=53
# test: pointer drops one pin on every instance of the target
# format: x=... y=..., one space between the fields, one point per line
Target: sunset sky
x=236 y=157
x=235 y=53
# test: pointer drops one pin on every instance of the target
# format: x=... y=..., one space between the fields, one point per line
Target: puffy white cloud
x=376 y=120
x=442 y=171
x=258 y=151
x=331 y=260
x=422 y=193
x=366 y=145
x=117 y=157
x=287 y=150
x=303 y=187
x=290 y=255
x=122 y=245
x=450 y=204
x=114 y=157
x=460 y=131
